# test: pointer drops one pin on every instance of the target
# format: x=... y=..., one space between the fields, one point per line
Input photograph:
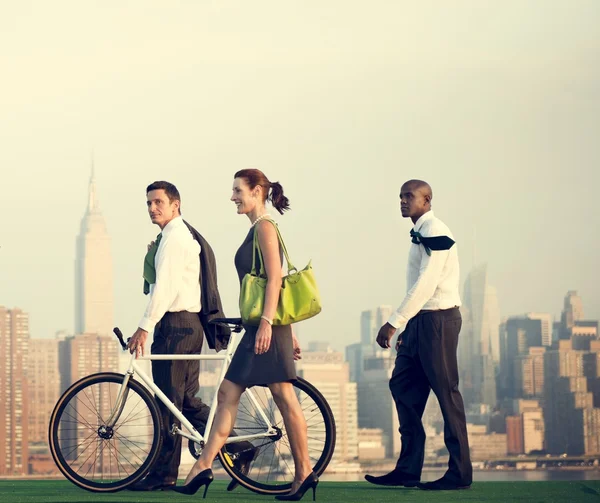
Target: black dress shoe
x=443 y=485
x=152 y=483
x=243 y=465
x=394 y=478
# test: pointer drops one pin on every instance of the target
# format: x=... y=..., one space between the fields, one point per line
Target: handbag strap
x=256 y=247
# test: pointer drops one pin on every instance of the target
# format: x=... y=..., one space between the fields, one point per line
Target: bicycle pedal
x=227 y=457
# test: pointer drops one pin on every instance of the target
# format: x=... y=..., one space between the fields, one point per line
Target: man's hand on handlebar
x=137 y=342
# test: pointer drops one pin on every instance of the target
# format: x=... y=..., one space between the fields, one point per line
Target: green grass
x=34 y=491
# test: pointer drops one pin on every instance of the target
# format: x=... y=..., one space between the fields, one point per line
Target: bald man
x=429 y=322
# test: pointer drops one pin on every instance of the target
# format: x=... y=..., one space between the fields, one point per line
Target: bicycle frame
x=193 y=434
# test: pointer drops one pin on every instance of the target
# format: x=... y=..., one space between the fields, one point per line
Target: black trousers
x=426 y=361
x=177 y=333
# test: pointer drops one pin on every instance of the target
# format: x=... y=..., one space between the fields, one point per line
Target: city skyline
x=493 y=104
x=555 y=386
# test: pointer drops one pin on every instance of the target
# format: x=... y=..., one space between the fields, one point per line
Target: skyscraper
x=371 y=367
x=583 y=332
x=85 y=354
x=546 y=326
x=525 y=429
x=354 y=357
x=529 y=373
x=14 y=397
x=571 y=415
x=479 y=343
x=572 y=312
x=330 y=374
x=520 y=334
x=93 y=271
x=376 y=407
x=44 y=387
x=371 y=321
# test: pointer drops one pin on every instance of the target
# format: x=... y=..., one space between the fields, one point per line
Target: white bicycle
x=105 y=430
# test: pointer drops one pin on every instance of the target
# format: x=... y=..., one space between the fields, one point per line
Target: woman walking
x=266 y=353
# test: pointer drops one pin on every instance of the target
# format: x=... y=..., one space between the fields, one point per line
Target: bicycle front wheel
x=271 y=471
x=90 y=452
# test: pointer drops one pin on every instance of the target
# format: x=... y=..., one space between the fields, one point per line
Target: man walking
x=429 y=322
x=180 y=279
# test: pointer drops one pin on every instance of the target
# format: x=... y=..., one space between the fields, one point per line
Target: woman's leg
x=295 y=425
x=228 y=400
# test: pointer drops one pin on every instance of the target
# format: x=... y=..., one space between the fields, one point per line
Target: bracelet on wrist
x=269 y=321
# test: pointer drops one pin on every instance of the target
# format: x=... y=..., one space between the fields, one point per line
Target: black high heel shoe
x=204 y=478
x=311 y=481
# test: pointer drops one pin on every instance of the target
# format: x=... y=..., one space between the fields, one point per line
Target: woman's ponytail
x=278 y=200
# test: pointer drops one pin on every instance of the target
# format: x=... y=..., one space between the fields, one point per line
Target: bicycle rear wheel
x=90 y=453
x=272 y=469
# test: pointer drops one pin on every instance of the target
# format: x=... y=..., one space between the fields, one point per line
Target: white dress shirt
x=432 y=281
x=177 y=264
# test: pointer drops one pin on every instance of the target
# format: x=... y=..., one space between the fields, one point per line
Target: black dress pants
x=427 y=360
x=177 y=333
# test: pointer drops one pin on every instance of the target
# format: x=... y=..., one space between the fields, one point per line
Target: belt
x=425 y=311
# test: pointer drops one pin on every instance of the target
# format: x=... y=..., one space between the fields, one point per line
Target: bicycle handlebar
x=235 y=324
x=119 y=335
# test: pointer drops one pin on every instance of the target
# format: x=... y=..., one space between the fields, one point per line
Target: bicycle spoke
x=133 y=408
x=92 y=454
x=135 y=444
x=285 y=441
x=94 y=472
x=282 y=457
x=318 y=413
x=83 y=419
x=94 y=404
x=79 y=445
x=244 y=410
x=119 y=462
x=133 y=419
x=109 y=460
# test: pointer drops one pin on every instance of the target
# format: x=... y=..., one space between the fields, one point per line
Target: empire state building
x=93 y=271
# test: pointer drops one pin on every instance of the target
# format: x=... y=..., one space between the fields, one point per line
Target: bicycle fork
x=120 y=402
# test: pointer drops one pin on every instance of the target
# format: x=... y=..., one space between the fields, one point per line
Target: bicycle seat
x=234 y=323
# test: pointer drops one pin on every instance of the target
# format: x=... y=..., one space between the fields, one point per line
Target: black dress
x=277 y=364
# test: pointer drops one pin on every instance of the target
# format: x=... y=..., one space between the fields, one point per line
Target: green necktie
x=149 y=269
x=433 y=243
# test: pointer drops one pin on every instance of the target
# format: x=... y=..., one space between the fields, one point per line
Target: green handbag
x=299 y=298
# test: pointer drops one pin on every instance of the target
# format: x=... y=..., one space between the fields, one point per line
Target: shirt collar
x=424 y=218
x=173 y=224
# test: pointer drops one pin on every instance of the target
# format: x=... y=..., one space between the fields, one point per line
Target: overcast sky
x=496 y=104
